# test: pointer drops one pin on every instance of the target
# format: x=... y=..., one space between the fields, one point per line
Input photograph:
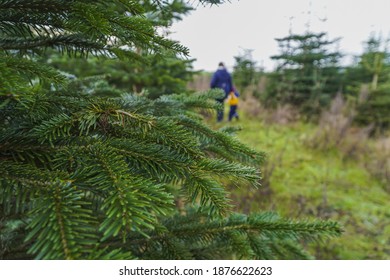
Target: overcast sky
x=219 y=33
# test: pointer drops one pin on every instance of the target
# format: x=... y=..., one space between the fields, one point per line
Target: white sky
x=218 y=33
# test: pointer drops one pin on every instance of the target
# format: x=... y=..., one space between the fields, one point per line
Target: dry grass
x=283 y=114
x=336 y=130
x=200 y=82
x=251 y=106
x=379 y=161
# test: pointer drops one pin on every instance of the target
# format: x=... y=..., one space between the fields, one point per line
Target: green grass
x=301 y=182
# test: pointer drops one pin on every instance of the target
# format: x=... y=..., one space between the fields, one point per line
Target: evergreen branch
x=22 y=149
x=203 y=100
x=231 y=145
x=41 y=6
x=167 y=132
x=107 y=113
x=289 y=250
x=175 y=249
x=110 y=254
x=127 y=55
x=223 y=168
x=147 y=121
x=29 y=69
x=258 y=236
x=130 y=202
x=216 y=151
x=84 y=27
x=269 y=225
x=238 y=244
x=57 y=127
x=62 y=225
x=213 y=2
x=14 y=173
x=211 y=194
x=74 y=42
x=153 y=160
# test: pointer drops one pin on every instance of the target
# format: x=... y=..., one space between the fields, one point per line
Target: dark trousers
x=233 y=112
x=220 y=112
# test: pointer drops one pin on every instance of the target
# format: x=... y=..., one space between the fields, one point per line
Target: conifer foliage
x=100 y=176
x=308 y=73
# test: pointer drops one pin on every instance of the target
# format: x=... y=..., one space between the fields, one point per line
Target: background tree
x=87 y=174
x=375 y=109
x=308 y=72
x=153 y=76
x=371 y=68
x=374 y=60
x=245 y=72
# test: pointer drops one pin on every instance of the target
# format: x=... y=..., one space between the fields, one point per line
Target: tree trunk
x=374 y=83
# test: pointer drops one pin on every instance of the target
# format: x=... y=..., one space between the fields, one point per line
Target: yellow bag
x=232 y=99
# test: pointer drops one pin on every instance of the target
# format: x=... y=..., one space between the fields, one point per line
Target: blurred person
x=223 y=80
x=232 y=100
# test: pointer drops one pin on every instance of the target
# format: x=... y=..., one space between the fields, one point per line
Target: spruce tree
x=375 y=110
x=114 y=175
x=375 y=60
x=246 y=74
x=372 y=68
x=308 y=73
x=153 y=76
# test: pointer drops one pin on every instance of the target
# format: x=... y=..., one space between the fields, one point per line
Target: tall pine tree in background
x=92 y=175
x=246 y=74
x=375 y=60
x=153 y=76
x=308 y=72
x=372 y=68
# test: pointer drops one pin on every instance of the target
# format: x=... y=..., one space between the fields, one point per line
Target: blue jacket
x=222 y=79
